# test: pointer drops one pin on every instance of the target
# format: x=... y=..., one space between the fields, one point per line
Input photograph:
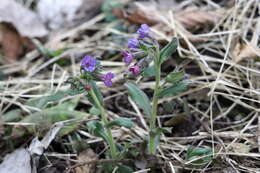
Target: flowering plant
x=91 y=72
x=145 y=56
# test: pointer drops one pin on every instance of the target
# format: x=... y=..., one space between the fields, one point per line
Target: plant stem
x=110 y=141
x=152 y=145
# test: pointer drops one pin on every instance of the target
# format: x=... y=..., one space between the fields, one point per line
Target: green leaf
x=193 y=153
x=124 y=169
x=139 y=97
x=42 y=101
x=94 y=111
x=108 y=5
x=173 y=90
x=125 y=122
x=97 y=93
x=149 y=71
x=49 y=52
x=12 y=116
x=97 y=129
x=47 y=117
x=174 y=77
x=168 y=50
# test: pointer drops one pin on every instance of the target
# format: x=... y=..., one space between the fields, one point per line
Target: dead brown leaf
x=194 y=18
x=13 y=43
x=17 y=25
x=243 y=51
x=21 y=158
x=87 y=156
x=190 y=18
x=137 y=15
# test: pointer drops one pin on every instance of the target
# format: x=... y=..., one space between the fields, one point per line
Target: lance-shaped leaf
x=173 y=90
x=43 y=101
x=49 y=116
x=168 y=50
x=174 y=77
x=139 y=97
x=201 y=156
x=125 y=122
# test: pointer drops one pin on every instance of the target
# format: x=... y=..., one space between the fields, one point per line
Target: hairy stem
x=111 y=143
x=152 y=145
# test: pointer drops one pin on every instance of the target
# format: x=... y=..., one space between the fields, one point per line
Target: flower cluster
x=89 y=65
x=135 y=48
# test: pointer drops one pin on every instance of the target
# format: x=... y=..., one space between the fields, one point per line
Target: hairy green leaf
x=125 y=122
x=194 y=153
x=139 y=97
x=173 y=90
x=49 y=116
x=168 y=50
x=174 y=77
x=94 y=111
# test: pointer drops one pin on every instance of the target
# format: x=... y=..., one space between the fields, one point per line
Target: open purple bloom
x=88 y=63
x=143 y=31
x=132 y=43
x=128 y=57
x=107 y=79
x=135 y=70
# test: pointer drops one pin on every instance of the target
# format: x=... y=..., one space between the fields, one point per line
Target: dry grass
x=230 y=85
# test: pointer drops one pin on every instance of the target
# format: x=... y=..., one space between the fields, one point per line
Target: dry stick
x=258 y=139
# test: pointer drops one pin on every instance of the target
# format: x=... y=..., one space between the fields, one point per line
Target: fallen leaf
x=26 y=160
x=86 y=156
x=137 y=15
x=176 y=119
x=17 y=25
x=18 y=161
x=194 y=18
x=12 y=43
x=24 y=20
x=60 y=14
x=243 y=51
x=190 y=18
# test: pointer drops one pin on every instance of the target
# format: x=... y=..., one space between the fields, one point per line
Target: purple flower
x=132 y=43
x=128 y=57
x=143 y=31
x=135 y=70
x=88 y=63
x=107 y=79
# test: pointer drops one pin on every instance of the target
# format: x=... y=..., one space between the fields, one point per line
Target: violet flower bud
x=128 y=57
x=87 y=87
x=88 y=63
x=107 y=79
x=132 y=43
x=143 y=31
x=135 y=70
